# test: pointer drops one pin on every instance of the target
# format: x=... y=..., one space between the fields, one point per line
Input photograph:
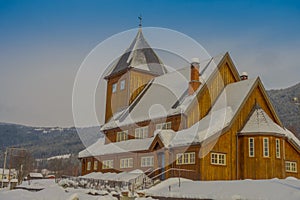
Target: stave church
x=205 y=121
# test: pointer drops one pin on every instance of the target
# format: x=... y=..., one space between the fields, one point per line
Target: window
x=122 y=85
x=218 y=159
x=141 y=132
x=107 y=164
x=126 y=163
x=185 y=158
x=147 y=161
x=277 y=148
x=89 y=164
x=95 y=165
x=266 y=147
x=122 y=135
x=114 y=87
x=290 y=166
x=251 y=147
x=164 y=126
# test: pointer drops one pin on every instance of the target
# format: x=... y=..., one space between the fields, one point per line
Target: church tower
x=130 y=74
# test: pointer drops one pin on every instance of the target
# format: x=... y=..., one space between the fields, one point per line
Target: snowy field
x=274 y=189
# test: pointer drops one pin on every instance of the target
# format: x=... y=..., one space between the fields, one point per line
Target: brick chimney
x=194 y=82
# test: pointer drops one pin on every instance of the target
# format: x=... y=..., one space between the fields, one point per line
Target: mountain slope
x=287 y=104
x=46 y=142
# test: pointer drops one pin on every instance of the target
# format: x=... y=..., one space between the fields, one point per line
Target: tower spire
x=140 y=18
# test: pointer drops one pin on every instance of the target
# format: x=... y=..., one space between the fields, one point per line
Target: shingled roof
x=140 y=56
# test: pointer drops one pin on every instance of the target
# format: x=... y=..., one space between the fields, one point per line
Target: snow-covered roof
x=99 y=148
x=292 y=138
x=260 y=122
x=220 y=116
x=6 y=171
x=35 y=175
x=123 y=176
x=173 y=98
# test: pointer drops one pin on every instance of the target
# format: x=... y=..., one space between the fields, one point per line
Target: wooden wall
x=210 y=92
x=138 y=81
x=135 y=81
x=119 y=99
x=260 y=167
x=291 y=154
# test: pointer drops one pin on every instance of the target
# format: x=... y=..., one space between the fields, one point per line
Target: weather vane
x=140 y=18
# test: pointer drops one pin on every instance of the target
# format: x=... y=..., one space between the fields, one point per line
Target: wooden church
x=202 y=122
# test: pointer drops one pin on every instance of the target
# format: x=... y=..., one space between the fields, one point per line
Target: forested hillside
x=287 y=104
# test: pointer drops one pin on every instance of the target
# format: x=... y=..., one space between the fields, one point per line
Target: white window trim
x=147 y=161
x=114 y=87
x=122 y=84
x=141 y=132
x=107 y=164
x=289 y=165
x=164 y=126
x=88 y=165
x=96 y=165
x=277 y=143
x=251 y=151
x=122 y=136
x=266 y=148
x=126 y=163
x=217 y=159
x=187 y=158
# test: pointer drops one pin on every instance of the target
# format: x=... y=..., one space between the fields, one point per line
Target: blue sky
x=44 y=42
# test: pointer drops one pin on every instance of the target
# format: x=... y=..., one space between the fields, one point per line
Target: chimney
x=244 y=76
x=194 y=82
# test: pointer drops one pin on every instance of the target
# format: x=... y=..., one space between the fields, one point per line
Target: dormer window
x=114 y=88
x=122 y=85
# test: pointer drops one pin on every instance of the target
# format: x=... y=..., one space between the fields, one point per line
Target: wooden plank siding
x=135 y=81
x=292 y=154
x=260 y=167
x=223 y=76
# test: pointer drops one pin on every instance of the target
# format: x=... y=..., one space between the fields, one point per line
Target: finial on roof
x=140 y=18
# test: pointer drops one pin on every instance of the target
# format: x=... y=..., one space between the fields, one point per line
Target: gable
x=224 y=74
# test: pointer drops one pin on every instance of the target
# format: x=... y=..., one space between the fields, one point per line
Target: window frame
x=88 y=165
x=251 y=149
x=187 y=158
x=141 y=132
x=122 y=84
x=291 y=166
x=126 y=163
x=147 y=161
x=95 y=167
x=164 y=126
x=266 y=147
x=107 y=164
x=122 y=136
x=277 y=148
x=218 y=158
x=114 y=87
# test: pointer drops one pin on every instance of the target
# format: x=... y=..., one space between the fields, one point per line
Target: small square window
x=114 y=87
x=122 y=85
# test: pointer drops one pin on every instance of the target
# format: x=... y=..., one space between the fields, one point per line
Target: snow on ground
x=245 y=189
x=275 y=189
x=52 y=191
